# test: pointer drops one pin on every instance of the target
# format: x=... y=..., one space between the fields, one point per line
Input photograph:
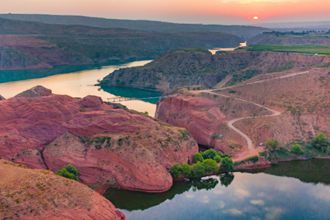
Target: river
x=295 y=190
x=82 y=83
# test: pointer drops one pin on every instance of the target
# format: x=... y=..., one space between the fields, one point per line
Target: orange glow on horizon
x=190 y=10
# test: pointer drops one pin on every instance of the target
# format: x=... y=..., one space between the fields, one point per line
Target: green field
x=307 y=49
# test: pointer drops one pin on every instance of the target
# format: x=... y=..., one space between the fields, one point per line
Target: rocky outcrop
x=39 y=194
x=35 y=92
x=1 y=98
x=110 y=146
x=199 y=69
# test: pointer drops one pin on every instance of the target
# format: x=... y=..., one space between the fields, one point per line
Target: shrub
x=210 y=154
x=210 y=166
x=197 y=170
x=320 y=141
x=217 y=158
x=69 y=172
x=227 y=164
x=271 y=144
x=296 y=149
x=198 y=158
x=180 y=170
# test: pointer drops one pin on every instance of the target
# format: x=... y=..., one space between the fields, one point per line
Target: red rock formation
x=205 y=117
x=35 y=92
x=111 y=147
x=299 y=101
x=39 y=194
x=262 y=163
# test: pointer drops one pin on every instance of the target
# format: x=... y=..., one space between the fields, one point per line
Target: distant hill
x=298 y=26
x=245 y=32
x=33 y=49
x=199 y=69
x=292 y=38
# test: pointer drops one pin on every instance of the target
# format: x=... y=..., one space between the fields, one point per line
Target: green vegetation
x=272 y=145
x=321 y=142
x=317 y=147
x=210 y=154
x=205 y=163
x=307 y=49
x=69 y=172
x=198 y=158
x=248 y=74
x=296 y=149
x=184 y=134
x=227 y=165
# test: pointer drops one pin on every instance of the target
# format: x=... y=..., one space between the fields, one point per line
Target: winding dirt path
x=252 y=149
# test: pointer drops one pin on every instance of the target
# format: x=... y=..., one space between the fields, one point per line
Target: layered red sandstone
x=111 y=147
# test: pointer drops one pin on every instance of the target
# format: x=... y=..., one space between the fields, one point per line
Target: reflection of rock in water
x=130 y=201
x=226 y=179
x=305 y=171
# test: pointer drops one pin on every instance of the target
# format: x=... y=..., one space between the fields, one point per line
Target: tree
x=210 y=166
x=180 y=171
x=227 y=164
x=217 y=158
x=210 y=154
x=320 y=141
x=198 y=158
x=197 y=170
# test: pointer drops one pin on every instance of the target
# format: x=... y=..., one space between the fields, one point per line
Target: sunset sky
x=197 y=11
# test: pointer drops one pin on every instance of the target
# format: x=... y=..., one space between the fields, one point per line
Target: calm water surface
x=295 y=190
x=82 y=83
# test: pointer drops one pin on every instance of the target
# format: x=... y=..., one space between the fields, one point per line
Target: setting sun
x=255 y=18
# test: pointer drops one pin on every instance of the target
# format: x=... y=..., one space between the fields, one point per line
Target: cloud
x=234 y=212
x=258 y=1
x=242 y=193
x=258 y=202
x=273 y=213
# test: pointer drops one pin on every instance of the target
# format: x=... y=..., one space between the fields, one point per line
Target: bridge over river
x=124 y=99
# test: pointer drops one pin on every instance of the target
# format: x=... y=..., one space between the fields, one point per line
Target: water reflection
x=245 y=196
x=140 y=201
x=311 y=171
x=81 y=84
x=134 y=93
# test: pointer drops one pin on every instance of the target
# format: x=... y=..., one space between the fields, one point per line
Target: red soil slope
x=39 y=194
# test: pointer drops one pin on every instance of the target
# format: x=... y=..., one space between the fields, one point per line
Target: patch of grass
x=184 y=134
x=306 y=49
